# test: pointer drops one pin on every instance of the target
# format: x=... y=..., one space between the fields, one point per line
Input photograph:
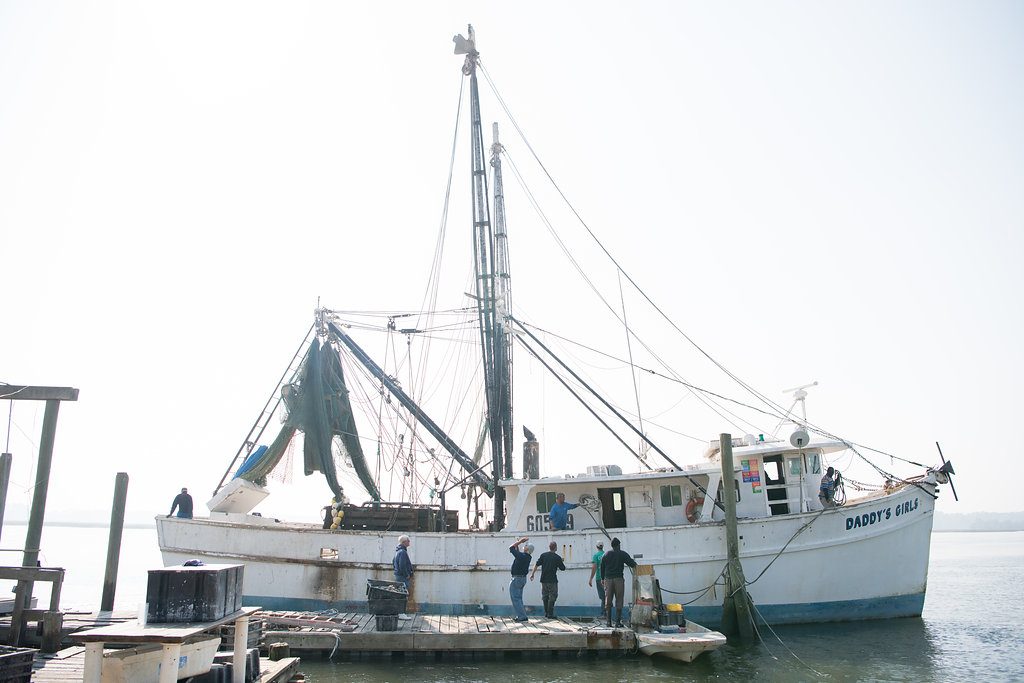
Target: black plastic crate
x=16 y=663
x=667 y=618
x=194 y=594
x=387 y=606
x=386 y=590
x=252 y=664
x=387 y=622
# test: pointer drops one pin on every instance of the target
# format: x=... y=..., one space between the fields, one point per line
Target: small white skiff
x=682 y=646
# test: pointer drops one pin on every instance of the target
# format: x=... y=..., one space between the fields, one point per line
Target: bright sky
x=812 y=191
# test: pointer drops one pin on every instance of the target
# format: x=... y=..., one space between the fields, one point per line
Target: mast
x=503 y=303
x=484 y=267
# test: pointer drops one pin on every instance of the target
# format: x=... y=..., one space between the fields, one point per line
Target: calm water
x=972 y=626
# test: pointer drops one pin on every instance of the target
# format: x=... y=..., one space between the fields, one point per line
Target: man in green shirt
x=595 y=570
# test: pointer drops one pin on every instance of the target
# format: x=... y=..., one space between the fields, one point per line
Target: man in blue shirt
x=559 y=514
x=520 y=566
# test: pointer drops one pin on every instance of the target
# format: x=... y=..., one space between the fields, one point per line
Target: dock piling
x=114 y=541
x=736 y=617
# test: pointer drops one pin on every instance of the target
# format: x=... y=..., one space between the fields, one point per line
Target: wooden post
x=52 y=623
x=34 y=534
x=5 y=480
x=241 y=649
x=93 y=663
x=736 y=608
x=169 y=659
x=114 y=541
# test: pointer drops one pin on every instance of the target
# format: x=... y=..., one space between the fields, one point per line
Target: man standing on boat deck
x=520 y=567
x=183 y=503
x=612 y=567
x=401 y=563
x=595 y=570
x=827 y=492
x=549 y=563
x=559 y=515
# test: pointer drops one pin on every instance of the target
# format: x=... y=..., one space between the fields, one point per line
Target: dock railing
x=52 y=619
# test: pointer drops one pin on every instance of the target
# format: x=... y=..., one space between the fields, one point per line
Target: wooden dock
x=431 y=633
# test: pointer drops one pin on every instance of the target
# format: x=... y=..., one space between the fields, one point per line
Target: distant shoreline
x=90 y=525
x=139 y=525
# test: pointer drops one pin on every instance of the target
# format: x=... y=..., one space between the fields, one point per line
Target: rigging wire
x=580 y=399
x=611 y=258
x=776 y=409
x=651 y=371
x=788 y=649
x=629 y=348
x=620 y=408
x=579 y=269
x=783 y=549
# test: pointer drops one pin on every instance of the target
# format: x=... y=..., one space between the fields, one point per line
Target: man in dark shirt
x=520 y=567
x=401 y=563
x=613 y=565
x=183 y=503
x=549 y=563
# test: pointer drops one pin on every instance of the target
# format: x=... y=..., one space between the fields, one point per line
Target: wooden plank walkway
x=452 y=633
x=69 y=665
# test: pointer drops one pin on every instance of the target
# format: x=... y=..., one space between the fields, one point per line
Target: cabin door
x=795 y=482
x=775 y=485
x=613 y=507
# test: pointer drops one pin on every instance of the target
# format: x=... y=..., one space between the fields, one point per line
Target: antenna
x=798 y=397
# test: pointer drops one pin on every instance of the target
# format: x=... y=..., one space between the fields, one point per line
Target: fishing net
x=317 y=404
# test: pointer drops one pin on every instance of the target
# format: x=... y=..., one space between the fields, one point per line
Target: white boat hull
x=683 y=647
x=863 y=561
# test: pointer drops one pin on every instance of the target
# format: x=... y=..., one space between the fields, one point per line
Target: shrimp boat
x=865 y=558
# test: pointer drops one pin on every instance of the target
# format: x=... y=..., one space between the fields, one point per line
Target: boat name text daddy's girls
x=869 y=518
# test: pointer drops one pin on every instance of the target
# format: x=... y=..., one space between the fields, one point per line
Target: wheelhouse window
x=814 y=463
x=671 y=496
x=545 y=499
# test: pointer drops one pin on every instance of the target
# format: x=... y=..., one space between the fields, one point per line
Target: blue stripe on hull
x=710 y=616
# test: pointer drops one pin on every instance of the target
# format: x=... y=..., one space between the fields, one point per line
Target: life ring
x=693 y=509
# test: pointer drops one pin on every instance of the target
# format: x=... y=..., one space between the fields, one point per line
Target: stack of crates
x=671 y=615
x=386 y=600
x=194 y=594
x=16 y=664
x=254 y=639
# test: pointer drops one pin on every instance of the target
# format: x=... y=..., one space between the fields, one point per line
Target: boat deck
x=357 y=633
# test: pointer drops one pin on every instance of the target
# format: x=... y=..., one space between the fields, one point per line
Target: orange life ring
x=693 y=509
